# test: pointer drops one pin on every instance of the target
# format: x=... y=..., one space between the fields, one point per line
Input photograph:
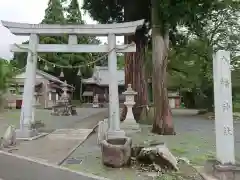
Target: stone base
x=115 y=134
x=26 y=134
x=222 y=172
x=95 y=105
x=130 y=127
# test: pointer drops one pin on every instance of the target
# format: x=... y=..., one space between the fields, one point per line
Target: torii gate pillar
x=27 y=112
x=114 y=116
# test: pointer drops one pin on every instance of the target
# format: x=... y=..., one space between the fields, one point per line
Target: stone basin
x=116 y=152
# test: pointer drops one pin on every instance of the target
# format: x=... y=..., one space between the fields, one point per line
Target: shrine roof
x=41 y=75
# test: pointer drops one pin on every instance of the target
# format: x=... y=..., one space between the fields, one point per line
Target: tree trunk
x=134 y=65
x=160 y=41
x=135 y=75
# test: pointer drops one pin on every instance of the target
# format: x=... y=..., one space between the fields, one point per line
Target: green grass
x=12 y=117
x=236 y=107
x=192 y=146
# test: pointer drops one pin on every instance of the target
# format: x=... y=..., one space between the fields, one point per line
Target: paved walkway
x=20 y=168
x=31 y=159
x=54 y=147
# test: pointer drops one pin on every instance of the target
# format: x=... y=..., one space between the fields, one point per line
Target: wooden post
x=223 y=108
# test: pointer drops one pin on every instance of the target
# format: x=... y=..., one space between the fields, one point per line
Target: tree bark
x=160 y=43
x=134 y=65
x=135 y=75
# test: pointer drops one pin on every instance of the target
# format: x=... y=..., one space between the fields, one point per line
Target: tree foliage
x=73 y=13
x=54 y=13
x=210 y=25
x=193 y=61
x=6 y=73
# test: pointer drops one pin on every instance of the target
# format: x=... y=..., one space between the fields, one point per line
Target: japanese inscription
x=225 y=82
x=226 y=106
x=227 y=131
x=225 y=60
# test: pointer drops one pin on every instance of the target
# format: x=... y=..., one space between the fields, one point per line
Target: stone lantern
x=130 y=124
x=65 y=88
x=95 y=101
x=65 y=98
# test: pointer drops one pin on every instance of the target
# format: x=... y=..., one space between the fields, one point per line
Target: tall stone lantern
x=130 y=124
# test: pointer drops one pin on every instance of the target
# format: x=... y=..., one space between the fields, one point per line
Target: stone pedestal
x=105 y=133
x=130 y=124
x=220 y=171
x=115 y=134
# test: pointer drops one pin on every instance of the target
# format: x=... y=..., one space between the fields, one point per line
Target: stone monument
x=95 y=101
x=9 y=137
x=130 y=124
x=223 y=108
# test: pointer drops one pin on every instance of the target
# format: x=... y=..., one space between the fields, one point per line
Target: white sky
x=28 y=11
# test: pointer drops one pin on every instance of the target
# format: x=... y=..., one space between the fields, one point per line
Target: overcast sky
x=28 y=11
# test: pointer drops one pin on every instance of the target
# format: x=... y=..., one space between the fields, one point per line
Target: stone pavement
x=21 y=168
x=54 y=147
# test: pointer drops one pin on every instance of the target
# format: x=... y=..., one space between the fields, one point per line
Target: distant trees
x=55 y=13
x=6 y=73
x=166 y=19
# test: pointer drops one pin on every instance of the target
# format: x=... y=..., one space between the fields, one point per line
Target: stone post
x=26 y=118
x=49 y=95
x=130 y=124
x=114 y=117
x=95 y=101
x=57 y=96
x=223 y=108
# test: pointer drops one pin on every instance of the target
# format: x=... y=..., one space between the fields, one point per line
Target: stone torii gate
x=36 y=30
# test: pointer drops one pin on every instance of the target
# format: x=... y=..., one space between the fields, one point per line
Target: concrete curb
x=54 y=166
x=40 y=135
x=74 y=149
x=79 y=144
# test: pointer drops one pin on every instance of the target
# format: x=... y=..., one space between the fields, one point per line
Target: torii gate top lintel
x=24 y=29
